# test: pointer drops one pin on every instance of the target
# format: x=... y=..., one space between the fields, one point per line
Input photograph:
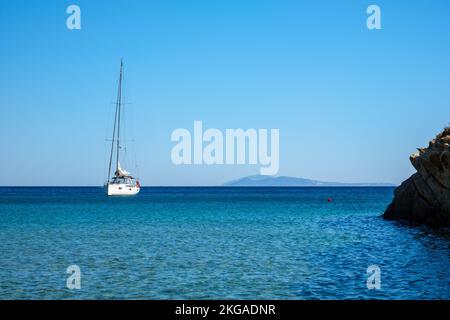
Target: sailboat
x=122 y=183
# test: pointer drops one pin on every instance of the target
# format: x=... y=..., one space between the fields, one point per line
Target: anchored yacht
x=122 y=183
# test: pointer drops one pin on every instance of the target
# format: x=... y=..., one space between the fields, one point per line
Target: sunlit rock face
x=424 y=198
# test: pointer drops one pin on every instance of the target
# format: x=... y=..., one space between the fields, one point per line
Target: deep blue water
x=211 y=243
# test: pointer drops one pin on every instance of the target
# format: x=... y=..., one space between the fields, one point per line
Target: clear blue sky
x=351 y=104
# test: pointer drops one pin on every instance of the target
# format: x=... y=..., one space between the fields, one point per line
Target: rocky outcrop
x=424 y=198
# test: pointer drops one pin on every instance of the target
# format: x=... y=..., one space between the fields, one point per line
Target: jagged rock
x=424 y=198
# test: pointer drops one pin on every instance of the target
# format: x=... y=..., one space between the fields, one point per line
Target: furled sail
x=121 y=172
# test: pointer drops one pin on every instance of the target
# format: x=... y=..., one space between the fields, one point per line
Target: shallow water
x=215 y=243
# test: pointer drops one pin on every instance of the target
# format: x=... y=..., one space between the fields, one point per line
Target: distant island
x=284 y=181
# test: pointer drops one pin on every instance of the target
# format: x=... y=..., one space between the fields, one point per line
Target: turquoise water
x=211 y=243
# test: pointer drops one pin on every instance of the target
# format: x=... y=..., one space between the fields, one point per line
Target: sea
x=215 y=243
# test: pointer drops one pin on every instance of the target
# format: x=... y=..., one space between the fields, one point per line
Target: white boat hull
x=121 y=189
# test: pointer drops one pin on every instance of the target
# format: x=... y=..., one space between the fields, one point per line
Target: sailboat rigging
x=122 y=182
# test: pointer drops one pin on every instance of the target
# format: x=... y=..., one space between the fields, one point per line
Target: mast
x=119 y=111
x=116 y=123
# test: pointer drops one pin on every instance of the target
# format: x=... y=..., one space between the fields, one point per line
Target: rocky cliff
x=424 y=198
